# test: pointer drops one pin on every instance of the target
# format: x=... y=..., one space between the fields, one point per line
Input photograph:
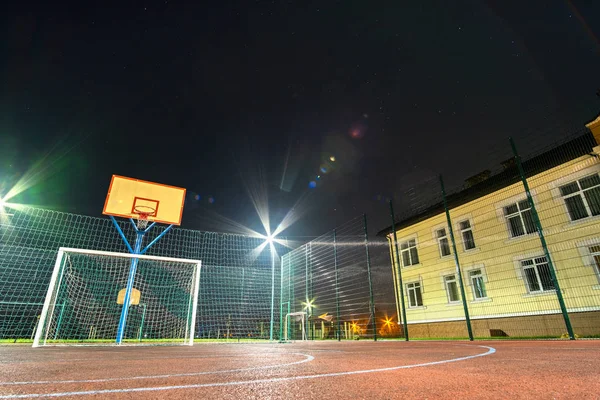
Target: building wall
x=553 y=325
x=498 y=255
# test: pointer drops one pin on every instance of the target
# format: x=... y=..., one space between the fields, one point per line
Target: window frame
x=416 y=285
x=587 y=256
x=408 y=250
x=481 y=275
x=581 y=193
x=595 y=261
x=462 y=234
x=445 y=238
x=520 y=214
x=454 y=281
x=535 y=264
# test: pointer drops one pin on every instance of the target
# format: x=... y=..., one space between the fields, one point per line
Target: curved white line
x=491 y=350
x=307 y=359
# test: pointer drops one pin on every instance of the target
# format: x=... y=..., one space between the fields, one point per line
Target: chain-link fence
x=237 y=279
x=327 y=287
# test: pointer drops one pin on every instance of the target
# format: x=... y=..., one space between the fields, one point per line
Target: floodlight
x=308 y=305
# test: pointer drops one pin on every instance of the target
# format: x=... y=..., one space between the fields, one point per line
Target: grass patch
x=13 y=341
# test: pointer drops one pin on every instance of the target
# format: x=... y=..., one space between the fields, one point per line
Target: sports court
x=256 y=326
x=310 y=370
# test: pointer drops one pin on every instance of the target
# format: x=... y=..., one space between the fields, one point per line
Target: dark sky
x=215 y=96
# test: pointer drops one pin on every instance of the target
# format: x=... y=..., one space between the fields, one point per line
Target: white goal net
x=88 y=288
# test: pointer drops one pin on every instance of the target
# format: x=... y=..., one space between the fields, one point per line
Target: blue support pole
x=156 y=239
x=149 y=227
x=134 y=262
x=132 y=269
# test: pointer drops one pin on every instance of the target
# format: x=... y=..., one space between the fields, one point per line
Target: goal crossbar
x=127 y=255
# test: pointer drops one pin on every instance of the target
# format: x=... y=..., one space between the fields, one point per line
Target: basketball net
x=143 y=213
x=142 y=221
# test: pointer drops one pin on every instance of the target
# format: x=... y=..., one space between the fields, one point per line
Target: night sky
x=223 y=96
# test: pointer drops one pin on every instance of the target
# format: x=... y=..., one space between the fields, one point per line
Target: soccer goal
x=85 y=299
x=291 y=319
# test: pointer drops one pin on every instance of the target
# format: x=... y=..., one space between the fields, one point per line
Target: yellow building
x=506 y=277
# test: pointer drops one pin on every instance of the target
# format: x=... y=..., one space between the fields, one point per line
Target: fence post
x=398 y=272
x=281 y=300
x=337 y=288
x=291 y=294
x=538 y=226
x=306 y=283
x=272 y=248
x=458 y=271
x=371 y=302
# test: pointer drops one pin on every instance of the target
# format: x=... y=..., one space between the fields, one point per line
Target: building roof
x=561 y=154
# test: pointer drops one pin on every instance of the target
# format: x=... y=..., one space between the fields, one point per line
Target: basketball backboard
x=130 y=197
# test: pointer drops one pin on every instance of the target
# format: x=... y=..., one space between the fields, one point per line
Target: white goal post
x=84 y=302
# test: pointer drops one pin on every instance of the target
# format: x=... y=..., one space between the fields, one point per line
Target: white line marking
x=307 y=359
x=490 y=351
x=229 y=356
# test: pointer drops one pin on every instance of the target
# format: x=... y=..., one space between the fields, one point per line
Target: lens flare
x=219 y=222
x=358 y=130
x=49 y=165
x=6 y=209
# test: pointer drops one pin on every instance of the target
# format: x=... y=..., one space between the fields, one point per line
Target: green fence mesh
x=234 y=296
x=328 y=280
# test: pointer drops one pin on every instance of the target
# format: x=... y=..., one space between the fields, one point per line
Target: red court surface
x=307 y=370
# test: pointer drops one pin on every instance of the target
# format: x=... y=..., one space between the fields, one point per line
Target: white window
x=519 y=218
x=477 y=284
x=415 y=298
x=443 y=244
x=537 y=275
x=582 y=197
x=451 y=288
x=408 y=251
x=595 y=253
x=467 y=234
